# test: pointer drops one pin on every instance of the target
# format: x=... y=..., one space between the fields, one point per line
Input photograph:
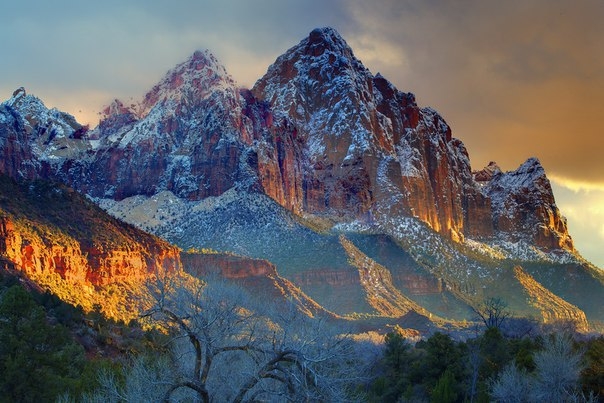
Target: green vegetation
x=490 y=367
x=50 y=349
x=38 y=360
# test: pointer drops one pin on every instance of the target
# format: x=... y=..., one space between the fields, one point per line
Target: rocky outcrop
x=483 y=176
x=419 y=284
x=553 y=309
x=523 y=206
x=47 y=230
x=227 y=265
x=257 y=275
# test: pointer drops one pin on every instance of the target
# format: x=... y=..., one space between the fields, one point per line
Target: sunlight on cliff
x=551 y=307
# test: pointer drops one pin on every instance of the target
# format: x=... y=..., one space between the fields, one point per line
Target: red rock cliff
x=524 y=207
x=370 y=150
x=48 y=230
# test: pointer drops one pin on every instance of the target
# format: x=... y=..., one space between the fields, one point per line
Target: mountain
x=371 y=152
x=526 y=192
x=356 y=195
x=184 y=137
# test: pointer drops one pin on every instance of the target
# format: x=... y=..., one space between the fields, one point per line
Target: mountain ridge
x=322 y=138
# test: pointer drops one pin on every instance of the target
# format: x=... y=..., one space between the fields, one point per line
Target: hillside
x=75 y=250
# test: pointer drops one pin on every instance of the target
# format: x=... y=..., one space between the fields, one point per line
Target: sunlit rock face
x=81 y=263
x=276 y=155
x=47 y=230
x=523 y=207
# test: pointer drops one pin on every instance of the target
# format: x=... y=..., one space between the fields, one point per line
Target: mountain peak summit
x=321 y=69
x=200 y=59
x=326 y=34
x=325 y=39
x=18 y=94
x=195 y=78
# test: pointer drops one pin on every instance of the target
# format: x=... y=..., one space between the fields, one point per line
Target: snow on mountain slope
x=198 y=161
x=370 y=150
x=52 y=135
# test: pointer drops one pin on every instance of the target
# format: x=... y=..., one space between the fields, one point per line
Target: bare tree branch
x=226 y=345
x=492 y=312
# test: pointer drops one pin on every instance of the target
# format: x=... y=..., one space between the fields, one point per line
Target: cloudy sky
x=514 y=78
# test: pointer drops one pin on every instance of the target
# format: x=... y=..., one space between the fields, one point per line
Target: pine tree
x=38 y=361
x=444 y=391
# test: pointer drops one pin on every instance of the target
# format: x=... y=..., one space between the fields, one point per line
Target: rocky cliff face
x=366 y=151
x=39 y=254
x=71 y=247
x=523 y=206
x=371 y=152
x=228 y=266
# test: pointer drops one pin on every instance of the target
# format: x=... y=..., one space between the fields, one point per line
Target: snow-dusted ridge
x=54 y=135
x=318 y=148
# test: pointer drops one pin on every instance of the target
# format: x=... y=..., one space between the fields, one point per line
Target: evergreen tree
x=445 y=391
x=442 y=354
x=592 y=376
x=495 y=351
x=397 y=362
x=38 y=361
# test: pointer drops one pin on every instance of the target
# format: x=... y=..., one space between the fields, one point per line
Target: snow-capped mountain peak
x=189 y=82
x=194 y=79
x=524 y=207
x=41 y=123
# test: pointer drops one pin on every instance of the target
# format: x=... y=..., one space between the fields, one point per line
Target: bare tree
x=493 y=312
x=511 y=386
x=557 y=370
x=226 y=345
x=144 y=379
x=555 y=378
